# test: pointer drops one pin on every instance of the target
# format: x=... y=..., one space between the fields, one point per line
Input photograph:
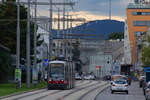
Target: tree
x=76 y=56
x=8 y=30
x=8 y=26
x=146 y=54
x=116 y=35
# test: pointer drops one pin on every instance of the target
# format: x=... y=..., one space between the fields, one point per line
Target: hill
x=99 y=27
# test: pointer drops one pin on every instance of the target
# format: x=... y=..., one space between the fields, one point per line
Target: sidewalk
x=136 y=92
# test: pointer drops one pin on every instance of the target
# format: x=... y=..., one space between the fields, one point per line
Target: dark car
x=107 y=78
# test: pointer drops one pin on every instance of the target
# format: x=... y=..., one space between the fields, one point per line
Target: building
x=138 y=20
x=101 y=64
x=127 y=47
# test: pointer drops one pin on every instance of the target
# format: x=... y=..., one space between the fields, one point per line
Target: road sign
x=18 y=78
x=98 y=67
x=17 y=74
x=45 y=62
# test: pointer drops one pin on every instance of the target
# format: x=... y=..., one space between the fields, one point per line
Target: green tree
x=76 y=56
x=8 y=26
x=116 y=35
x=8 y=32
x=146 y=54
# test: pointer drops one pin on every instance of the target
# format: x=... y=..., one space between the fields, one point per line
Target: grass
x=10 y=88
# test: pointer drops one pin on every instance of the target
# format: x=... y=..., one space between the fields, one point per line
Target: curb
x=19 y=93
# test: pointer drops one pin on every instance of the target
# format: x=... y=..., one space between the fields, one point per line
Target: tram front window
x=57 y=72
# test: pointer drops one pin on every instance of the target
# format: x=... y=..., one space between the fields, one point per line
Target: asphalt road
x=135 y=93
x=84 y=90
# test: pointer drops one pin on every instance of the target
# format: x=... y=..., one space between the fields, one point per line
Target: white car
x=77 y=77
x=87 y=77
x=119 y=86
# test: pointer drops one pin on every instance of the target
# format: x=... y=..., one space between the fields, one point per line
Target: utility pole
x=71 y=38
x=18 y=34
x=64 y=30
x=109 y=9
x=50 y=30
x=67 y=32
x=35 y=41
x=18 y=79
x=28 y=45
x=58 y=34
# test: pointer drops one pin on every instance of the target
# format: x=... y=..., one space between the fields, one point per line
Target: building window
x=54 y=45
x=140 y=13
x=138 y=33
x=141 y=23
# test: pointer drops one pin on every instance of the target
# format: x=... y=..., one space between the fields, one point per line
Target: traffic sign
x=45 y=62
x=17 y=74
x=98 y=67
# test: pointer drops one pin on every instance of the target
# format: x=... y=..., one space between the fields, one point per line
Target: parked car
x=147 y=91
x=144 y=86
x=107 y=78
x=141 y=80
x=89 y=77
x=77 y=76
x=119 y=86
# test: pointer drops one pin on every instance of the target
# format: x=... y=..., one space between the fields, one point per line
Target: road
x=135 y=93
x=84 y=90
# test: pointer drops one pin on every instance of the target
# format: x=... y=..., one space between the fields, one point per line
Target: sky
x=94 y=9
x=101 y=7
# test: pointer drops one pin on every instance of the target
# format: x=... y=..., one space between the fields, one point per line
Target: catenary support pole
x=28 y=45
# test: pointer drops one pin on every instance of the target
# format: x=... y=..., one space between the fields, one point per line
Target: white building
x=104 y=60
x=127 y=48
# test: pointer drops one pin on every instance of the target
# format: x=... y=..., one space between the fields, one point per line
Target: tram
x=61 y=75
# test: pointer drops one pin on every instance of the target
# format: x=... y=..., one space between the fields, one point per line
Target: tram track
x=87 y=93
x=101 y=92
x=45 y=90
x=76 y=90
x=42 y=97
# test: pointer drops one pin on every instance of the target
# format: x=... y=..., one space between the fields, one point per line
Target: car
x=119 y=86
x=107 y=78
x=87 y=77
x=141 y=81
x=78 y=77
x=147 y=91
x=92 y=77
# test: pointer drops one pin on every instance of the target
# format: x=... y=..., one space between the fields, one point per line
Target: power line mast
x=58 y=34
x=18 y=41
x=64 y=10
x=35 y=40
x=109 y=9
x=50 y=30
x=28 y=45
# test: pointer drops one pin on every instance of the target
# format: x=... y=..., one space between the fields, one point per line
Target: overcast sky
x=93 y=9
x=96 y=9
x=101 y=7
